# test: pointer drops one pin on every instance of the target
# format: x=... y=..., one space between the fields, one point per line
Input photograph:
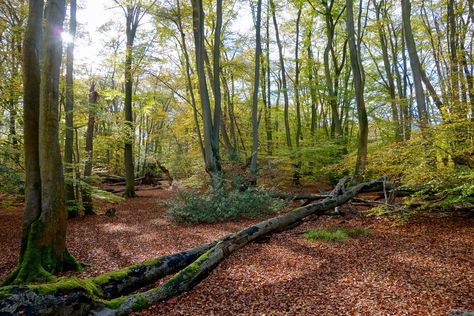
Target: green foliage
x=334 y=234
x=11 y=181
x=398 y=214
x=191 y=207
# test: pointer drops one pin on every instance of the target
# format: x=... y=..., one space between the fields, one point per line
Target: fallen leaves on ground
x=421 y=268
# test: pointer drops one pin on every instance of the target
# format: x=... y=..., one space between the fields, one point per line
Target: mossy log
x=79 y=297
x=73 y=296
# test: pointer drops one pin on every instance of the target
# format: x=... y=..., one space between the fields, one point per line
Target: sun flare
x=67 y=38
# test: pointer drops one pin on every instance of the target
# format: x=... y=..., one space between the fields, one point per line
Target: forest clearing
x=261 y=157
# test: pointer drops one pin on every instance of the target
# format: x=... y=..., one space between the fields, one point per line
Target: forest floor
x=424 y=267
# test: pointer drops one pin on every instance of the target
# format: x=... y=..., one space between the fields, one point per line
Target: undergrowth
x=335 y=234
x=192 y=207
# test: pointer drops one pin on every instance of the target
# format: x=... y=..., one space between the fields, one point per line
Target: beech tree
x=211 y=123
x=71 y=201
x=356 y=64
x=43 y=248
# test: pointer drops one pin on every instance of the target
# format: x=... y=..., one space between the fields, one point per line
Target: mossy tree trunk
x=43 y=249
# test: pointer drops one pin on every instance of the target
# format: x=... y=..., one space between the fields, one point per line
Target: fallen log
x=78 y=297
x=73 y=296
x=187 y=278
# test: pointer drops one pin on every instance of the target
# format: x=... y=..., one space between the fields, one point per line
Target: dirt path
x=423 y=268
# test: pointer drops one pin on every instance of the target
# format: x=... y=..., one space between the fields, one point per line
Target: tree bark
x=258 y=49
x=86 y=187
x=31 y=96
x=211 y=147
x=283 y=78
x=415 y=65
x=132 y=15
x=71 y=202
x=357 y=71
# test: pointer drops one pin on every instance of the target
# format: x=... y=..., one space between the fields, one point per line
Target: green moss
x=335 y=234
x=106 y=277
x=114 y=303
x=191 y=270
x=140 y=303
x=38 y=262
x=65 y=284
x=152 y=262
x=5 y=292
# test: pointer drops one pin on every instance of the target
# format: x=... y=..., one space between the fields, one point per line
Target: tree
x=134 y=11
x=283 y=77
x=258 y=49
x=415 y=66
x=356 y=64
x=43 y=249
x=71 y=203
x=85 y=188
x=210 y=125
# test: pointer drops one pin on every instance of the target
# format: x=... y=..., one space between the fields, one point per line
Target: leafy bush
x=11 y=181
x=192 y=207
x=333 y=234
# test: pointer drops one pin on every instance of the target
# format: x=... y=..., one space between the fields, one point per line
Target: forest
x=260 y=157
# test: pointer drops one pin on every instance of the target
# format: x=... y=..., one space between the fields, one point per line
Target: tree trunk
x=131 y=28
x=258 y=49
x=86 y=187
x=415 y=66
x=188 y=76
x=283 y=78
x=71 y=203
x=356 y=65
x=211 y=148
x=299 y=136
x=44 y=241
x=388 y=69
x=31 y=100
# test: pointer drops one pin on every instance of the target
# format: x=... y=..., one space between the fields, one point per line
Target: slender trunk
x=388 y=70
x=283 y=78
x=268 y=116
x=299 y=135
x=415 y=66
x=359 y=94
x=258 y=49
x=211 y=163
x=71 y=203
x=86 y=188
x=131 y=28
x=312 y=89
x=188 y=77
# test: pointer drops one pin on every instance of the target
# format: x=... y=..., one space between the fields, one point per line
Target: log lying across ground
x=102 y=295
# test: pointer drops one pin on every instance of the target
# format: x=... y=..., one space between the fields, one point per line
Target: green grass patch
x=335 y=234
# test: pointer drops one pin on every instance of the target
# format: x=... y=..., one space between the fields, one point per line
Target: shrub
x=333 y=234
x=192 y=207
x=11 y=181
